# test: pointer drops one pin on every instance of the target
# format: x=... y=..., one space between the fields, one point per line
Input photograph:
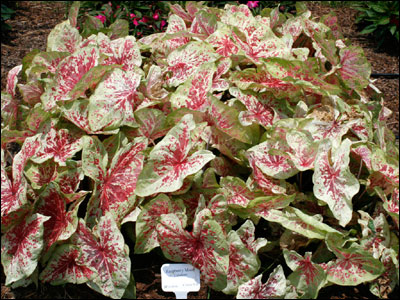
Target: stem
x=359 y=171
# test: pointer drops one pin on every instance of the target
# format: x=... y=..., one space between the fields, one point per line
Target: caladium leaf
x=246 y=233
x=205 y=247
x=236 y=191
x=154 y=84
x=275 y=165
x=169 y=161
x=41 y=174
x=13 y=193
x=9 y=105
x=66 y=266
x=352 y=266
x=175 y=25
x=94 y=158
x=243 y=263
x=275 y=287
x=123 y=51
x=146 y=232
x=115 y=189
x=62 y=223
x=193 y=94
x=151 y=123
x=307 y=277
x=304 y=150
x=256 y=110
x=59 y=145
x=222 y=41
x=105 y=253
x=64 y=38
x=21 y=247
x=294 y=219
x=333 y=182
x=355 y=68
x=69 y=72
x=184 y=61
x=114 y=100
x=263 y=206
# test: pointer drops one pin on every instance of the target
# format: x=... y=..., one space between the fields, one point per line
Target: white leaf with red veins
x=64 y=38
x=205 y=247
x=185 y=61
x=62 y=223
x=307 y=277
x=146 y=232
x=21 y=247
x=304 y=150
x=12 y=80
x=115 y=191
x=278 y=166
x=246 y=233
x=176 y=25
x=69 y=72
x=105 y=253
x=243 y=263
x=194 y=93
x=257 y=111
x=59 y=145
x=222 y=42
x=66 y=266
x=169 y=161
x=353 y=265
x=275 y=287
x=123 y=51
x=114 y=100
x=221 y=84
x=236 y=191
x=13 y=192
x=333 y=182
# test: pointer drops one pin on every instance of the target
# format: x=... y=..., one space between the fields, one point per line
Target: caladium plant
x=253 y=147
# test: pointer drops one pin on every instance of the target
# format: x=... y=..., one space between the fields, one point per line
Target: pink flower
x=135 y=22
x=132 y=16
x=144 y=20
x=163 y=23
x=101 y=18
x=156 y=16
x=252 y=4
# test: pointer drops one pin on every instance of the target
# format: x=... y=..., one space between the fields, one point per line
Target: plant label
x=180 y=279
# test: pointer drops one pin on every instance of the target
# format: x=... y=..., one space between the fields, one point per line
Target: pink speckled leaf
x=257 y=111
x=207 y=22
x=243 y=263
x=278 y=166
x=176 y=28
x=151 y=123
x=333 y=182
x=115 y=191
x=41 y=174
x=355 y=69
x=104 y=252
x=69 y=72
x=13 y=191
x=169 y=161
x=236 y=191
x=205 y=247
x=185 y=61
x=114 y=100
x=62 y=223
x=59 y=145
x=21 y=247
x=222 y=42
x=12 y=80
x=9 y=105
x=352 y=266
x=64 y=38
x=123 y=51
x=146 y=232
x=304 y=149
x=307 y=277
x=94 y=158
x=275 y=287
x=262 y=206
x=66 y=266
x=194 y=93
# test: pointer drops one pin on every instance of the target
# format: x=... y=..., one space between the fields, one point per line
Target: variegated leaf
x=169 y=161
x=64 y=38
x=105 y=253
x=333 y=181
x=205 y=247
x=21 y=247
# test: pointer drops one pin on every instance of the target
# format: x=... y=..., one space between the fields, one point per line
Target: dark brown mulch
x=31 y=25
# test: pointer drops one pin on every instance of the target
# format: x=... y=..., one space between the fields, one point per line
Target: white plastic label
x=180 y=279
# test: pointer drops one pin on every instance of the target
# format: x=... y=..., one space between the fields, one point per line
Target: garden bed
x=30 y=27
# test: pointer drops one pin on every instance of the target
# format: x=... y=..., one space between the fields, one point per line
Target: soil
x=31 y=25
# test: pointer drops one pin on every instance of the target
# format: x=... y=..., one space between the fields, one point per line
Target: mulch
x=30 y=27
